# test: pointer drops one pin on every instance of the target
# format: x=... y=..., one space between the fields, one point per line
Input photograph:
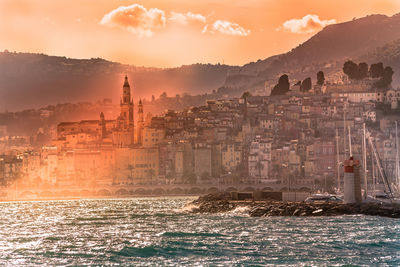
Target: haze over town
x=153 y=132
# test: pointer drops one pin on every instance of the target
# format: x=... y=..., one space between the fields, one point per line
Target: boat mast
x=373 y=175
x=337 y=161
x=379 y=165
x=350 y=151
x=344 y=132
x=364 y=148
x=397 y=160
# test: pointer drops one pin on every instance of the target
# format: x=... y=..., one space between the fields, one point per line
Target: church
x=118 y=133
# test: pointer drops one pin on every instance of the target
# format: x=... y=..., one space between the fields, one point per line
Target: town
x=293 y=138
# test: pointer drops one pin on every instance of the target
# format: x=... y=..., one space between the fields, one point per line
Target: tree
x=362 y=70
x=163 y=95
x=190 y=178
x=376 y=70
x=169 y=177
x=354 y=71
x=388 y=75
x=386 y=79
x=306 y=85
x=130 y=168
x=259 y=167
x=151 y=174
x=282 y=87
x=246 y=95
x=320 y=77
x=205 y=176
x=350 y=69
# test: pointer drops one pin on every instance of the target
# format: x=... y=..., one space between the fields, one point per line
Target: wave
x=143 y=252
x=188 y=207
x=185 y=234
x=240 y=210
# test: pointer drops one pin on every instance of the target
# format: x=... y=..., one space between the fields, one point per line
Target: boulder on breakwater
x=222 y=202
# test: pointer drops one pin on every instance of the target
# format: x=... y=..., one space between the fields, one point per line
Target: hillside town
x=293 y=141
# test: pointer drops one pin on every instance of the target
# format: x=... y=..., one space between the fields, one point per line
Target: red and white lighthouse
x=352 y=181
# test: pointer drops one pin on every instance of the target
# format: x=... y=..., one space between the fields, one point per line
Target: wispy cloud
x=136 y=18
x=226 y=27
x=308 y=24
x=185 y=18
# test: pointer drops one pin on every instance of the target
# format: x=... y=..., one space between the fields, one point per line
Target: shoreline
x=92 y=198
x=220 y=203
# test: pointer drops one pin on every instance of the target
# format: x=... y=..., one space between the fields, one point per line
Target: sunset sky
x=171 y=33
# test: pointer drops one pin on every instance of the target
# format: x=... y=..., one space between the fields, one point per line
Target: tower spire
x=126 y=82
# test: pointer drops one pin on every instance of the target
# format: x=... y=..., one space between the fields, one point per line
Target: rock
x=317 y=211
x=296 y=212
x=258 y=212
x=222 y=202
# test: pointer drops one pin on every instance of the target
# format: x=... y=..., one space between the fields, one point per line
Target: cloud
x=144 y=22
x=185 y=18
x=307 y=24
x=226 y=27
x=136 y=18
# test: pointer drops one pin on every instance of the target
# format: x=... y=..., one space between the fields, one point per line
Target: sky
x=163 y=33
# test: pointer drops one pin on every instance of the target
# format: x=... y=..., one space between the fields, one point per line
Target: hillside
x=389 y=55
x=327 y=50
x=35 y=80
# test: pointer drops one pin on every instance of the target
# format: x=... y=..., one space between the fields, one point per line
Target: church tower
x=102 y=124
x=140 y=123
x=124 y=133
x=127 y=106
x=140 y=112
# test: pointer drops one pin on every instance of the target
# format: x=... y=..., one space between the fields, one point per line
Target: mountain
x=34 y=80
x=327 y=50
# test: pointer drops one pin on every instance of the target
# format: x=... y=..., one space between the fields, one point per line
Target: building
x=202 y=161
x=259 y=160
x=121 y=130
x=231 y=156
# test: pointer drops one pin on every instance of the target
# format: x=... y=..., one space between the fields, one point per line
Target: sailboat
x=388 y=194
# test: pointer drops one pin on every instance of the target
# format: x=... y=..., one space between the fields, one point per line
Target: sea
x=161 y=232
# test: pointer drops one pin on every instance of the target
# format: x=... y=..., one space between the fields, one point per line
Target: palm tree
x=168 y=177
x=259 y=167
x=151 y=173
x=190 y=178
x=131 y=167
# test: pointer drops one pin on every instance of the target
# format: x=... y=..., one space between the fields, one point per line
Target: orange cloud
x=307 y=24
x=143 y=22
x=136 y=18
x=226 y=27
x=185 y=18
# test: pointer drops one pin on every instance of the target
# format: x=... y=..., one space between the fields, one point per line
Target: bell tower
x=127 y=105
x=140 y=123
x=140 y=112
x=102 y=124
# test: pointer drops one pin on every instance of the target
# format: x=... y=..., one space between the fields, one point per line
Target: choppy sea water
x=157 y=232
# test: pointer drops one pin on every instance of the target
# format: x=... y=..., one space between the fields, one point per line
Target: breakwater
x=223 y=202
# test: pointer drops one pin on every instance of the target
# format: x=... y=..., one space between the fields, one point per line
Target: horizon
x=224 y=35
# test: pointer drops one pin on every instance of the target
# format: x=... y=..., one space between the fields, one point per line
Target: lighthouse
x=352 y=181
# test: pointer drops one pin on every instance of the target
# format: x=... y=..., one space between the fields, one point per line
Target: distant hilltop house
x=355 y=86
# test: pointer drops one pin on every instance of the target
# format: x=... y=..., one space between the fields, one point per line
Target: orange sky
x=174 y=32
